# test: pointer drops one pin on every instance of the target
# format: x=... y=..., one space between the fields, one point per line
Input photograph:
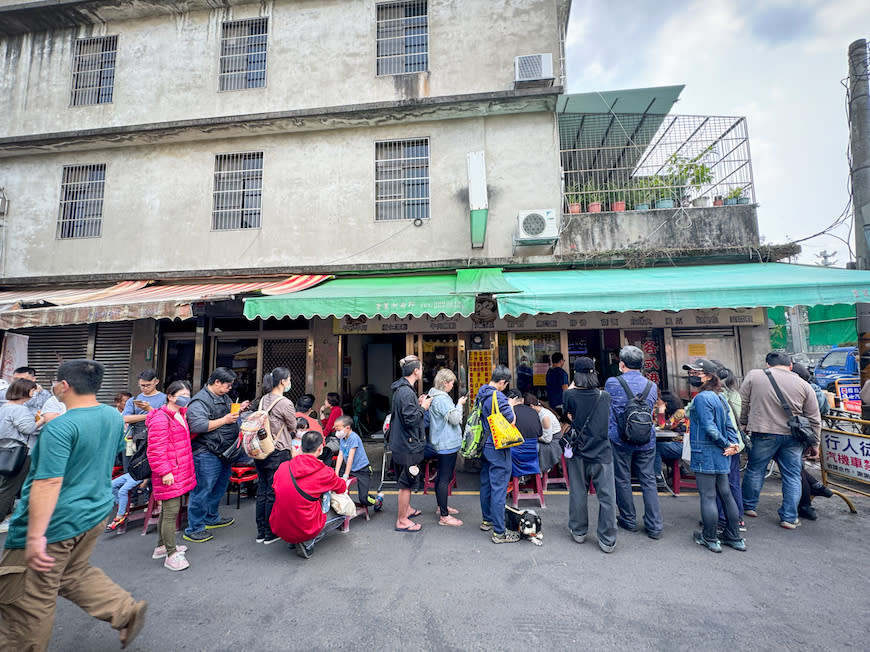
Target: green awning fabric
x=832 y=325
x=485 y=280
x=682 y=288
x=383 y=296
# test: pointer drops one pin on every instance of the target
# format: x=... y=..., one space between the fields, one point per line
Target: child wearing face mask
x=172 y=473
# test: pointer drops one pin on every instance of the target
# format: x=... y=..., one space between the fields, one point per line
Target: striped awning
x=138 y=300
x=15 y=300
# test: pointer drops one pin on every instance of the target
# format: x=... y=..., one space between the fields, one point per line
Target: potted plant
x=616 y=195
x=732 y=197
x=690 y=174
x=572 y=197
x=718 y=200
x=642 y=193
x=666 y=190
x=593 y=197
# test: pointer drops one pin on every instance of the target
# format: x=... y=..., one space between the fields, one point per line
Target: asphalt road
x=452 y=589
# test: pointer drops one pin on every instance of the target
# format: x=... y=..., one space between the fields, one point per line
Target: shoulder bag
x=324 y=499
x=800 y=426
x=13 y=452
x=504 y=433
x=576 y=435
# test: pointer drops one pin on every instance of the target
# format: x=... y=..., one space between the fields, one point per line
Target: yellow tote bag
x=504 y=433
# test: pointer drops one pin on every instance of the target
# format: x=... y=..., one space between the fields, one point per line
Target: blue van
x=840 y=363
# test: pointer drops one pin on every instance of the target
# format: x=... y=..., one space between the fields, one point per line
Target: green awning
x=682 y=288
x=377 y=296
x=487 y=280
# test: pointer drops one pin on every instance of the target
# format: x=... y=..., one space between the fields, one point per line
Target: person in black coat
x=408 y=438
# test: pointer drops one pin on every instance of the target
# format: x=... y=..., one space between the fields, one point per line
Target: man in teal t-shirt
x=64 y=504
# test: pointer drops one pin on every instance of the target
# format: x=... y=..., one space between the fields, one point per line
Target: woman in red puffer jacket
x=172 y=473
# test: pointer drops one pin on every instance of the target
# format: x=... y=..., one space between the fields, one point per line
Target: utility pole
x=859 y=138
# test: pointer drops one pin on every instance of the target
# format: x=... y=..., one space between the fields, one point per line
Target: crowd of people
x=604 y=436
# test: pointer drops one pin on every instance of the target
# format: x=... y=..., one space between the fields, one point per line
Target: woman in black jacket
x=591 y=459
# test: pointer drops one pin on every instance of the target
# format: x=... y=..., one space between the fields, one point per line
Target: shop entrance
x=370 y=364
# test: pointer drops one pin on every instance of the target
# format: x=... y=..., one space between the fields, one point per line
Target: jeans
x=710 y=487
x=446 y=465
x=265 y=493
x=734 y=485
x=787 y=452
x=580 y=472
x=667 y=450
x=333 y=522
x=644 y=461
x=121 y=487
x=495 y=474
x=212 y=478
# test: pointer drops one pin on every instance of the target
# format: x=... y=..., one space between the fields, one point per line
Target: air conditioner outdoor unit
x=533 y=70
x=537 y=227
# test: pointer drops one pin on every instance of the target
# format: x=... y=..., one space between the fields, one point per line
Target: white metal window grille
x=243 y=54
x=402 y=179
x=81 y=201
x=238 y=189
x=402 y=37
x=93 y=70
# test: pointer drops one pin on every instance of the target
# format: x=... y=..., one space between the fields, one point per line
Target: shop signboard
x=14 y=354
x=479 y=369
x=850 y=396
x=560 y=321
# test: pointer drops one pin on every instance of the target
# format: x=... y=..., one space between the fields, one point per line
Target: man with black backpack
x=633 y=439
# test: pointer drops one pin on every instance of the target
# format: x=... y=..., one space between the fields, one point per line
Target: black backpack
x=139 y=468
x=636 y=422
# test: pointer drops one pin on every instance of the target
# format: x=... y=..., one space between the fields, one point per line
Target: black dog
x=526 y=522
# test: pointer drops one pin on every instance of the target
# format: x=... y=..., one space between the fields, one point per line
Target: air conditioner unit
x=537 y=227
x=532 y=70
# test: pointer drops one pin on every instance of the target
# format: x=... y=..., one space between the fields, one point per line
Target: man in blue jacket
x=624 y=454
x=495 y=465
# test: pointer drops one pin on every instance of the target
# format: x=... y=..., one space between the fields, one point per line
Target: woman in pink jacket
x=172 y=474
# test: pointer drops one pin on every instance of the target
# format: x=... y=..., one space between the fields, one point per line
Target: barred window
x=93 y=70
x=403 y=37
x=402 y=179
x=238 y=189
x=243 y=54
x=81 y=201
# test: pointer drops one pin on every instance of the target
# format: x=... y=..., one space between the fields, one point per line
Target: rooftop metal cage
x=616 y=162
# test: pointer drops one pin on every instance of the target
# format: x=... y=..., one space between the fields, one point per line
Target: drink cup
x=235 y=408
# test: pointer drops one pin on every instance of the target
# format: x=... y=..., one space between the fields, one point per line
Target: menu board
x=479 y=369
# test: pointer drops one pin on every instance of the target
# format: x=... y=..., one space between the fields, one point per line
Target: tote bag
x=504 y=433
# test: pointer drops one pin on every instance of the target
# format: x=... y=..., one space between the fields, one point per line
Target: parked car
x=840 y=363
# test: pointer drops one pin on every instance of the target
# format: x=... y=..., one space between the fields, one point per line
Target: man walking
x=408 y=439
x=64 y=504
x=764 y=418
x=214 y=428
x=495 y=465
x=626 y=454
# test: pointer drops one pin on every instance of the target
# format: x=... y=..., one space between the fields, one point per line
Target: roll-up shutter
x=49 y=346
x=112 y=347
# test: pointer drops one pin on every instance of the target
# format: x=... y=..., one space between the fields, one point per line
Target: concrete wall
x=318 y=201
x=693 y=228
x=144 y=331
x=321 y=53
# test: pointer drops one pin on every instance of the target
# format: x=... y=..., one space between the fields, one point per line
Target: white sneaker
x=4 y=526
x=160 y=551
x=177 y=562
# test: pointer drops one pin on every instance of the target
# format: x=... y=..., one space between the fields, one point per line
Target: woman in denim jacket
x=445 y=436
x=713 y=440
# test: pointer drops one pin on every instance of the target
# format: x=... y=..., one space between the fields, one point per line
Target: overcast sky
x=777 y=62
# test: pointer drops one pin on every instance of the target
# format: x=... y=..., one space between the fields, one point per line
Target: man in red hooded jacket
x=297 y=516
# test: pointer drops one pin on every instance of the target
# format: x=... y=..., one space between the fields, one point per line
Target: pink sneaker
x=160 y=551
x=176 y=562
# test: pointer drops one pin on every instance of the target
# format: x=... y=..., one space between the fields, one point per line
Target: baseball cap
x=584 y=365
x=702 y=364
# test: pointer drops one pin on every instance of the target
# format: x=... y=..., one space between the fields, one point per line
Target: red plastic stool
x=428 y=483
x=527 y=491
x=240 y=475
x=557 y=479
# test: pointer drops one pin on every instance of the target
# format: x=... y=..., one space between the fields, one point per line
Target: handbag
x=12 y=455
x=342 y=504
x=504 y=433
x=800 y=427
x=687 y=448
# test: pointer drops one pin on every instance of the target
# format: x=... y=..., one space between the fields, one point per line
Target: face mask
x=182 y=401
x=695 y=381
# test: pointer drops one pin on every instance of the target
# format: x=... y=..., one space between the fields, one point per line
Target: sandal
x=450 y=510
x=117 y=522
x=415 y=513
x=450 y=520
